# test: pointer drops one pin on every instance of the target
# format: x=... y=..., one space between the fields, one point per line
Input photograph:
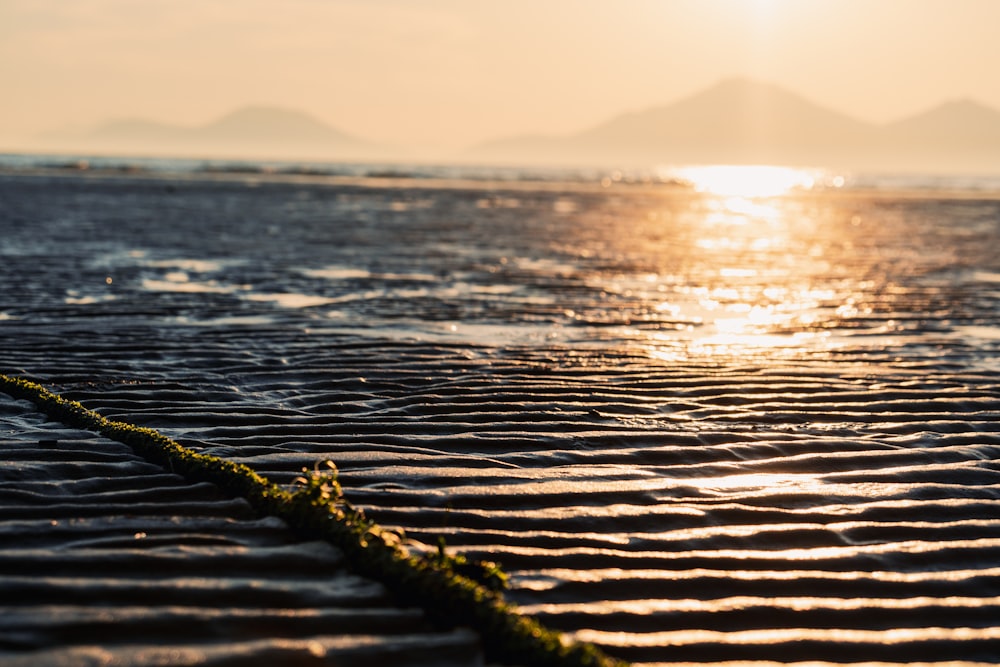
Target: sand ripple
x=123 y=563
x=690 y=433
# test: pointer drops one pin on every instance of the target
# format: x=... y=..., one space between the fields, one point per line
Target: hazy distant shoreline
x=431 y=176
x=737 y=121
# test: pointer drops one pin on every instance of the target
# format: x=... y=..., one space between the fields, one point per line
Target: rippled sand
x=107 y=559
x=692 y=427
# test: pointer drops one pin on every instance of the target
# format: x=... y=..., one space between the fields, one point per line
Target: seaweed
x=452 y=590
x=485 y=572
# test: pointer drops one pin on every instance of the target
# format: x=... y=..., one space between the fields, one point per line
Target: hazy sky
x=448 y=73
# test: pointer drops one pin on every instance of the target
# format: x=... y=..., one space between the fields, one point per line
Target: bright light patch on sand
x=746 y=180
x=291 y=300
x=736 y=603
x=191 y=265
x=337 y=273
x=768 y=636
x=79 y=301
x=187 y=286
x=799 y=482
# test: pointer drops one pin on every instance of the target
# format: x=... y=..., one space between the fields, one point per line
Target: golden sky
x=449 y=73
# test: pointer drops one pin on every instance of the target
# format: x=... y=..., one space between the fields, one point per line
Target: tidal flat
x=692 y=426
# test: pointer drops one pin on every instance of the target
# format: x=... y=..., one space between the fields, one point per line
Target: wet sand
x=691 y=429
x=108 y=559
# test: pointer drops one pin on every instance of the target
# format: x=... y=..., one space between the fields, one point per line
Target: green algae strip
x=317 y=509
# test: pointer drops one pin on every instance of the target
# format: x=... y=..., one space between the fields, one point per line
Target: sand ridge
x=109 y=558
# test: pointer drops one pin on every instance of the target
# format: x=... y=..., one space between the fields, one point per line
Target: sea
x=736 y=415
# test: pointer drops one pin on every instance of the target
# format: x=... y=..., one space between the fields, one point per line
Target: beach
x=109 y=559
x=691 y=426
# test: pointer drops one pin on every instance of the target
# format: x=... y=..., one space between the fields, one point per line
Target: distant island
x=740 y=121
x=256 y=131
x=737 y=121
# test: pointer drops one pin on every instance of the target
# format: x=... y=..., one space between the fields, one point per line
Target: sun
x=746 y=180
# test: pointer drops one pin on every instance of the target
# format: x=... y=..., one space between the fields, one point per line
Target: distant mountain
x=745 y=121
x=737 y=121
x=960 y=134
x=956 y=123
x=251 y=131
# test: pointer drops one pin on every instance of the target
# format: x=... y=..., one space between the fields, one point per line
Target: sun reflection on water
x=755 y=278
x=747 y=180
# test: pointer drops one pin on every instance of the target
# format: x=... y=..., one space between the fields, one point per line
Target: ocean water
x=693 y=425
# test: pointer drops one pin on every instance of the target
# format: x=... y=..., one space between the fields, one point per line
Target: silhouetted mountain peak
x=249 y=130
x=742 y=97
x=273 y=122
x=960 y=113
x=742 y=120
x=738 y=119
x=744 y=88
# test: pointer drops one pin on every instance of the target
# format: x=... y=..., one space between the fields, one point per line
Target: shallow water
x=692 y=427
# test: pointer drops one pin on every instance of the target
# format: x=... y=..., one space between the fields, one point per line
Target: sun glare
x=746 y=180
x=746 y=285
